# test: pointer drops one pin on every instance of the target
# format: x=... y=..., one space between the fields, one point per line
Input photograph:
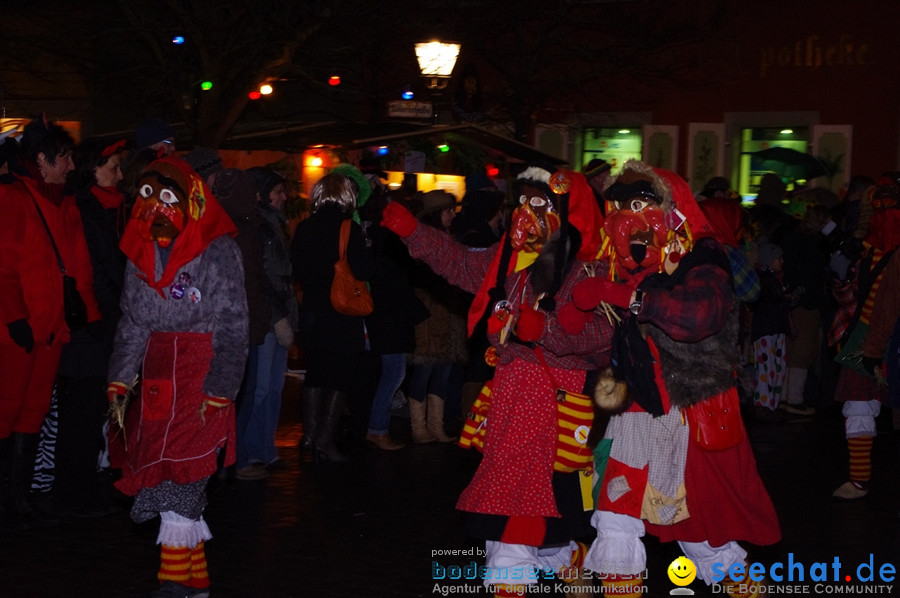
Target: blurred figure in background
x=260 y=405
x=441 y=337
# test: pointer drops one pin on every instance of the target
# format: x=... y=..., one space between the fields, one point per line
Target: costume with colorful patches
x=680 y=331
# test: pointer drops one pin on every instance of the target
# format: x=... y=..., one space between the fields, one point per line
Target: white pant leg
x=513 y=564
x=618 y=549
x=705 y=556
x=179 y=531
x=860 y=417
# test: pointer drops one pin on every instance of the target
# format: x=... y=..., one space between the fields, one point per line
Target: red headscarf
x=584 y=215
x=206 y=221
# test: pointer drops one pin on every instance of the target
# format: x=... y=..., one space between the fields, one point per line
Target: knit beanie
x=205 y=161
x=266 y=179
x=150 y=131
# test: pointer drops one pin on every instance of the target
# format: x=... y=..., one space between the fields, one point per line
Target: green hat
x=365 y=189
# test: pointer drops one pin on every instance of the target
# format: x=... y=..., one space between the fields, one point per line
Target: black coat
x=397 y=309
x=87 y=355
x=314 y=250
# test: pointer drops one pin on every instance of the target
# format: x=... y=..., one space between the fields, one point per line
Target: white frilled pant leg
x=618 y=549
x=520 y=564
x=179 y=531
x=860 y=417
x=705 y=556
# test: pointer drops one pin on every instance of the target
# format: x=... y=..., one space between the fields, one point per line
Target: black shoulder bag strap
x=62 y=266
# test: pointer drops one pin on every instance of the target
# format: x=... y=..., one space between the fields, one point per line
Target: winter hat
x=595 y=167
x=150 y=131
x=266 y=180
x=362 y=183
x=768 y=253
x=434 y=201
x=477 y=181
x=205 y=161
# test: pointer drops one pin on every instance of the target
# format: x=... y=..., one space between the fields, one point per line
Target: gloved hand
x=571 y=319
x=283 y=333
x=117 y=394
x=591 y=292
x=530 y=325
x=397 y=218
x=872 y=365
x=21 y=334
x=214 y=403
x=116 y=390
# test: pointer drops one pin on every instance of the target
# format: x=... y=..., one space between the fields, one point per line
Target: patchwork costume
x=184 y=332
x=526 y=511
x=676 y=352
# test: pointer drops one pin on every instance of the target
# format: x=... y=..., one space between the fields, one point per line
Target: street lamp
x=436 y=62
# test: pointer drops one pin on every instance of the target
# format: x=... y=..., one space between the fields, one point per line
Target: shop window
x=613 y=145
x=752 y=168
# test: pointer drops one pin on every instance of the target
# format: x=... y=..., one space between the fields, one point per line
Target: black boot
x=9 y=517
x=25 y=448
x=332 y=409
x=310 y=409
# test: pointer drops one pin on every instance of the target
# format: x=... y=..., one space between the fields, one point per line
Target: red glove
x=397 y=218
x=530 y=326
x=571 y=319
x=116 y=389
x=591 y=292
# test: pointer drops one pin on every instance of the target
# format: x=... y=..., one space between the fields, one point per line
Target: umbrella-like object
x=789 y=163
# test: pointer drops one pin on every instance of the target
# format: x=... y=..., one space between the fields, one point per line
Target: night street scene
x=590 y=298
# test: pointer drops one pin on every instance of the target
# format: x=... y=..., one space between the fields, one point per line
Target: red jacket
x=31 y=284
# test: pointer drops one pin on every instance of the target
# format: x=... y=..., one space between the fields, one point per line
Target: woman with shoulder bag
x=333 y=341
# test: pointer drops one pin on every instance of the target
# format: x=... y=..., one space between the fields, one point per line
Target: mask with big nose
x=533 y=221
x=161 y=205
x=637 y=228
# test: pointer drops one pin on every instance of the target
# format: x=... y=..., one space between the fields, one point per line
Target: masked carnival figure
x=183 y=336
x=867 y=332
x=527 y=498
x=680 y=465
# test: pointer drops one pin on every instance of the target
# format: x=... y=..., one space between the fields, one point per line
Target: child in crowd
x=769 y=327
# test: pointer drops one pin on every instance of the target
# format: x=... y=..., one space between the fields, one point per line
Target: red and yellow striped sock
x=199 y=574
x=860 y=460
x=623 y=586
x=174 y=564
x=573 y=571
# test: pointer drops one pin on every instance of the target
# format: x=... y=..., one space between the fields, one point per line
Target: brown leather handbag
x=349 y=296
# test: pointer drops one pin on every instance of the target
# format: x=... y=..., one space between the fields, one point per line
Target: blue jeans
x=393 y=370
x=429 y=379
x=260 y=407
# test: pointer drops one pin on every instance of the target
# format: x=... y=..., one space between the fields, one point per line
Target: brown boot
x=383 y=442
x=420 y=432
x=435 y=419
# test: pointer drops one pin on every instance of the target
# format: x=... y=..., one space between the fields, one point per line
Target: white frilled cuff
x=618 y=549
x=180 y=532
x=860 y=417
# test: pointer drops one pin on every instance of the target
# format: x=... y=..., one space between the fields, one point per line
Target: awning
x=296 y=137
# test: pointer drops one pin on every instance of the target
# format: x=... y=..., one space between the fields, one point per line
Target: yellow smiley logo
x=682 y=571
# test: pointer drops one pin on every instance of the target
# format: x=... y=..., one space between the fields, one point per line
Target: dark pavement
x=372 y=527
